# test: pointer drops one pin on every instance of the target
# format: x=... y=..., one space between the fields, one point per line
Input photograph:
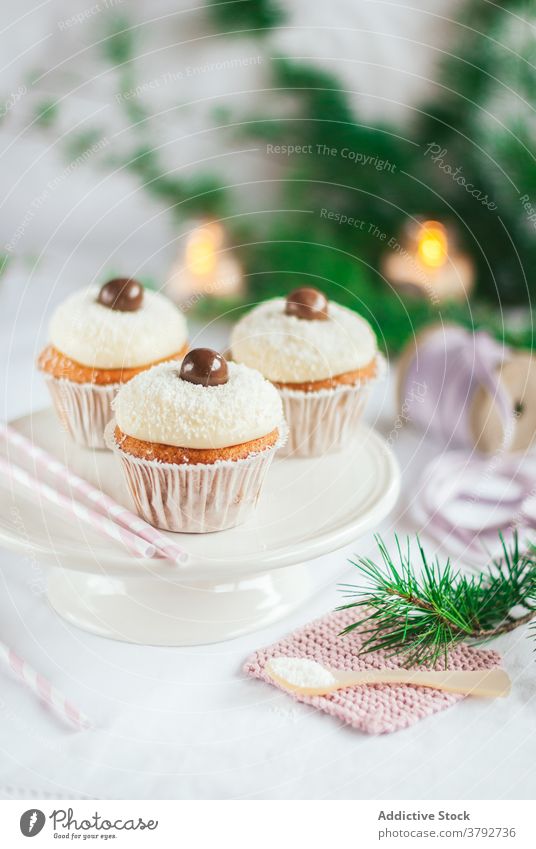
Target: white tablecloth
x=185 y=723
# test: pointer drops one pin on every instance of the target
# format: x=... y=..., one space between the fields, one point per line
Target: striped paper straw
x=135 y=544
x=44 y=690
x=101 y=502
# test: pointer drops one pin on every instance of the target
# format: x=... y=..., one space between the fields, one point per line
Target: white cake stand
x=235 y=581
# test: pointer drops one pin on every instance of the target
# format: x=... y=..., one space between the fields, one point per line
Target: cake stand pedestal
x=235 y=581
x=159 y=612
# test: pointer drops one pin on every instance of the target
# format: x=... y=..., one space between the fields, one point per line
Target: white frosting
x=157 y=406
x=287 y=349
x=94 y=335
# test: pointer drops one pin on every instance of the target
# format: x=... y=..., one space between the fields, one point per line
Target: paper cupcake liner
x=83 y=409
x=323 y=422
x=195 y=499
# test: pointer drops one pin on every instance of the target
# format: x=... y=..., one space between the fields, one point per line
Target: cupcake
x=321 y=357
x=195 y=441
x=99 y=340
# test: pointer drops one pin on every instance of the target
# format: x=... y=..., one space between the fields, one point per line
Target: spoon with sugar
x=310 y=678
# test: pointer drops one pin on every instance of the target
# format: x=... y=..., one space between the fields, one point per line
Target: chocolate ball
x=204 y=366
x=122 y=293
x=307 y=303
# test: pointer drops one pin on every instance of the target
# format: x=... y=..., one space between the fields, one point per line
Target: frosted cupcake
x=100 y=339
x=195 y=441
x=321 y=357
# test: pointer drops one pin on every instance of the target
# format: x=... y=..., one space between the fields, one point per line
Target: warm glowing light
x=432 y=244
x=206 y=267
x=202 y=248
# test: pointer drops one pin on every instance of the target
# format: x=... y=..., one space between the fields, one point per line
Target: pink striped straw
x=136 y=545
x=99 y=500
x=44 y=690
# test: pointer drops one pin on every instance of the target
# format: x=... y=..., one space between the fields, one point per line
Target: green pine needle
x=420 y=615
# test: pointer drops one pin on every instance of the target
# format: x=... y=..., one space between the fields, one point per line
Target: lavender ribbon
x=464 y=500
x=442 y=378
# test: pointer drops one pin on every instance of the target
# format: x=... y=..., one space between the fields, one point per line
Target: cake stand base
x=161 y=612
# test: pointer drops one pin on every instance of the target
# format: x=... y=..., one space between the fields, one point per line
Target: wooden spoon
x=313 y=679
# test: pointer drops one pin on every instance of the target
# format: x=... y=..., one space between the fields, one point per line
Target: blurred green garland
x=292 y=241
x=345 y=261
x=485 y=121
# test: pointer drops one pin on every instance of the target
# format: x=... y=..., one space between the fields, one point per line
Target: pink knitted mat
x=375 y=709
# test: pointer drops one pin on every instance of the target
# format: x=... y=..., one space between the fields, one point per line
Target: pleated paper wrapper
x=323 y=422
x=199 y=498
x=84 y=409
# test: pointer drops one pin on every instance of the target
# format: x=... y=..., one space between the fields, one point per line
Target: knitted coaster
x=377 y=708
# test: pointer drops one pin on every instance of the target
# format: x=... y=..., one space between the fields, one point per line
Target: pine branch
x=420 y=617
